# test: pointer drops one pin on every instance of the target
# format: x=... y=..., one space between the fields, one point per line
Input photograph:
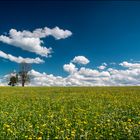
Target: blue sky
x=102 y=31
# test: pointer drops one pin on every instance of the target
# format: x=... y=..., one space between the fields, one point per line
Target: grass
x=69 y=113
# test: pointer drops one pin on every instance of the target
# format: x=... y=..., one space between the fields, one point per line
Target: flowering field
x=70 y=113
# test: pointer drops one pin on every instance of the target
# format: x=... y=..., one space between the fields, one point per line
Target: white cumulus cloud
x=80 y=60
x=87 y=76
x=43 y=79
x=130 y=65
x=103 y=66
x=32 y=41
x=70 y=68
x=20 y=59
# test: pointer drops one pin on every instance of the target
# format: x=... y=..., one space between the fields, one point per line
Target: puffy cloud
x=87 y=77
x=58 y=33
x=103 y=66
x=4 y=80
x=130 y=65
x=70 y=68
x=43 y=79
x=80 y=60
x=93 y=73
x=30 y=44
x=31 y=41
x=20 y=59
x=125 y=77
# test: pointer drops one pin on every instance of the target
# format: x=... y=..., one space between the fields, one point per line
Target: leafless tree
x=23 y=73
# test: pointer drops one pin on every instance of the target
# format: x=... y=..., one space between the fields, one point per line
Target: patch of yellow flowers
x=70 y=113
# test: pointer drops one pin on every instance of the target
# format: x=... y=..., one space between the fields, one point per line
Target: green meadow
x=69 y=113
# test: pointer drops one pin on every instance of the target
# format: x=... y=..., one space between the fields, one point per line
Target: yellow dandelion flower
x=113 y=130
x=108 y=120
x=110 y=134
x=9 y=130
x=41 y=133
x=126 y=128
x=56 y=137
x=94 y=128
x=39 y=138
x=30 y=126
x=129 y=120
x=6 y=125
x=43 y=125
x=85 y=122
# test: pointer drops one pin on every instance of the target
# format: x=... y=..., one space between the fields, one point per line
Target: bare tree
x=23 y=73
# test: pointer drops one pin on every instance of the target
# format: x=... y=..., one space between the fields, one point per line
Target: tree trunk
x=22 y=83
x=23 y=80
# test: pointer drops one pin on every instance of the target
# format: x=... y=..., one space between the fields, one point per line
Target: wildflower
x=9 y=130
x=113 y=130
x=56 y=137
x=129 y=131
x=30 y=126
x=57 y=128
x=94 y=128
x=43 y=125
x=73 y=133
x=85 y=122
x=98 y=125
x=62 y=131
x=69 y=124
x=108 y=120
x=110 y=134
x=6 y=125
x=126 y=128
x=129 y=120
x=41 y=133
x=39 y=138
